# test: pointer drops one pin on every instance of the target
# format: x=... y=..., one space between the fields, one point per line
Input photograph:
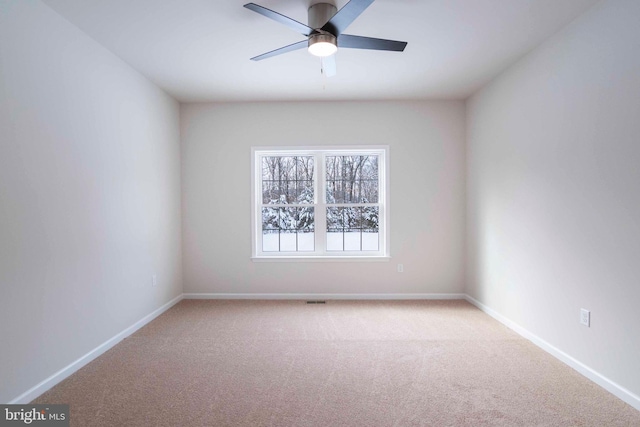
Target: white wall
x=426 y=142
x=554 y=192
x=89 y=195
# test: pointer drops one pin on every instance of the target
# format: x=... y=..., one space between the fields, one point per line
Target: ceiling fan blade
x=291 y=23
x=299 y=45
x=329 y=65
x=345 y=16
x=359 y=42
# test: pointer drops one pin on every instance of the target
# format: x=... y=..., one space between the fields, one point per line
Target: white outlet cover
x=585 y=317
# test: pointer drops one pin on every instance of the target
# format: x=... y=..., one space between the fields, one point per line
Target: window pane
x=370 y=229
x=335 y=229
x=270 y=230
x=352 y=179
x=287 y=180
x=353 y=232
x=288 y=229
x=306 y=241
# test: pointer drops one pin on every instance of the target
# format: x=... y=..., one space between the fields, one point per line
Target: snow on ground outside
x=349 y=241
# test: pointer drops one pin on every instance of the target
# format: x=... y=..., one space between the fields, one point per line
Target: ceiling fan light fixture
x=322 y=45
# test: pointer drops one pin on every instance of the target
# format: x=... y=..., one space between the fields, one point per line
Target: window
x=320 y=203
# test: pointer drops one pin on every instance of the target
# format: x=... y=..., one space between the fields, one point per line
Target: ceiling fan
x=324 y=32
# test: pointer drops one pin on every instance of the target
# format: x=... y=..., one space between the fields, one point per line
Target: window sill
x=320 y=258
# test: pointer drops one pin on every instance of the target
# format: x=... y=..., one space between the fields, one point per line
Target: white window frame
x=320 y=205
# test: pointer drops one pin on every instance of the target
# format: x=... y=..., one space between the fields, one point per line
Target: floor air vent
x=316 y=302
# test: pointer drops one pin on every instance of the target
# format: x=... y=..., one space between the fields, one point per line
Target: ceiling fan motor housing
x=319 y=14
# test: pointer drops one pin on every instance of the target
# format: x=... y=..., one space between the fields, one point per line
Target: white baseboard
x=65 y=372
x=612 y=387
x=285 y=296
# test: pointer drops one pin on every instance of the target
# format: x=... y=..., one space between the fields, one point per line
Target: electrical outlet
x=400 y=268
x=585 y=317
x=154 y=280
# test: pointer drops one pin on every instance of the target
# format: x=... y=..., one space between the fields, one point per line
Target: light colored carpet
x=344 y=363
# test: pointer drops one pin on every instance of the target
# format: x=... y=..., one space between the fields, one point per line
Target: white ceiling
x=199 y=50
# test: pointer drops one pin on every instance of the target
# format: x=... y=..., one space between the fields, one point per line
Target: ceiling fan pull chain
x=324 y=75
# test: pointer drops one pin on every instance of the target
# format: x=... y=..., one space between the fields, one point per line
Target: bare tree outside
x=352 y=179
